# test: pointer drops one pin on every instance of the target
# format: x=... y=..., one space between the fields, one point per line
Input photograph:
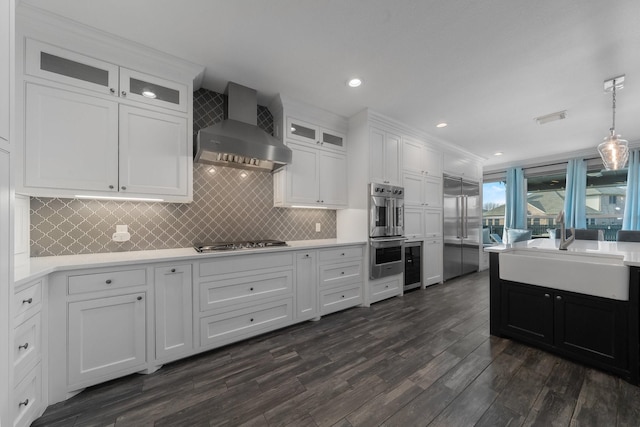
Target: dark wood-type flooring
x=425 y=359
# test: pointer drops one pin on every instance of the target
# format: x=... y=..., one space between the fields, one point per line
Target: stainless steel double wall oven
x=386 y=230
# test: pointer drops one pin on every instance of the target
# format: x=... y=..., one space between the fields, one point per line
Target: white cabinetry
x=173 y=311
x=85 y=132
x=306 y=305
x=5 y=65
x=463 y=166
x=98 y=327
x=317 y=174
x=27 y=353
x=106 y=338
x=385 y=157
x=432 y=265
x=315 y=177
x=340 y=278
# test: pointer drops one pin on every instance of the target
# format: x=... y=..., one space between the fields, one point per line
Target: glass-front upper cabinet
x=307 y=132
x=57 y=64
x=152 y=90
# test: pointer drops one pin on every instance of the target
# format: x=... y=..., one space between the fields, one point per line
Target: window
x=545 y=199
x=606 y=191
x=493 y=203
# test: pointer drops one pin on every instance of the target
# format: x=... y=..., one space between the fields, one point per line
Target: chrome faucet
x=564 y=242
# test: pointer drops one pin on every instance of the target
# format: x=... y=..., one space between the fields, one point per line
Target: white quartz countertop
x=39 y=267
x=629 y=252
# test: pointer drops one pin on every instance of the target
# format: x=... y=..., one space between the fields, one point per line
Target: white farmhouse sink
x=601 y=276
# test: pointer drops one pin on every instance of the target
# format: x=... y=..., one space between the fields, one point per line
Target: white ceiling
x=487 y=67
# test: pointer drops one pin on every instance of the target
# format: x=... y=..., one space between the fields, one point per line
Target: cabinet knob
x=24 y=403
x=123 y=187
x=112 y=90
x=108 y=281
x=24 y=346
x=251 y=289
x=342 y=273
x=558 y=297
x=173 y=270
x=342 y=254
x=317 y=201
x=307 y=256
x=342 y=296
x=386 y=286
x=27 y=301
x=123 y=93
x=321 y=201
x=111 y=187
x=547 y=296
x=251 y=320
x=139 y=298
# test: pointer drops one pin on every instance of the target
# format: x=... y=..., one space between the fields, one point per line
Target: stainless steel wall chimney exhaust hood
x=237 y=141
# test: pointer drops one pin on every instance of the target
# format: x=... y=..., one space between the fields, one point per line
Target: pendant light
x=614 y=150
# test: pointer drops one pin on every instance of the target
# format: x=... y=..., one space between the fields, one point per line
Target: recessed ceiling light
x=148 y=94
x=441 y=125
x=498 y=153
x=355 y=82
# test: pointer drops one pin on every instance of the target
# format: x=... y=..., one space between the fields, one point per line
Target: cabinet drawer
x=26 y=398
x=340 y=274
x=245 y=263
x=105 y=281
x=385 y=289
x=27 y=301
x=226 y=292
x=341 y=298
x=26 y=347
x=341 y=253
x=238 y=324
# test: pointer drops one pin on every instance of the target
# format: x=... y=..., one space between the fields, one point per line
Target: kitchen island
x=581 y=304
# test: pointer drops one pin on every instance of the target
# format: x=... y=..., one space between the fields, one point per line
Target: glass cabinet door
x=57 y=64
x=152 y=90
x=302 y=131
x=331 y=139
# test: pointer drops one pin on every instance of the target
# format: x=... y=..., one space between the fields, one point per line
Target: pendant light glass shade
x=614 y=152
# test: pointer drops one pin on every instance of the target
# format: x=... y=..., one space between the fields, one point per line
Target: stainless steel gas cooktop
x=231 y=246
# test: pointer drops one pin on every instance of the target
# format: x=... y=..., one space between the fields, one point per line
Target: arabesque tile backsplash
x=228 y=204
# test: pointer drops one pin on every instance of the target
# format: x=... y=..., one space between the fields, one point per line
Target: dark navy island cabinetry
x=600 y=332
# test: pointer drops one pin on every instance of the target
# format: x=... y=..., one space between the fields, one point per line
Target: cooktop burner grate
x=232 y=246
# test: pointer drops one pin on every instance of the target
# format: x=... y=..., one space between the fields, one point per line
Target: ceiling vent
x=560 y=115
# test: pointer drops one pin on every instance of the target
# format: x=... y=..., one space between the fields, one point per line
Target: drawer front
x=341 y=298
x=26 y=347
x=27 y=301
x=239 y=324
x=340 y=274
x=104 y=281
x=341 y=253
x=222 y=293
x=26 y=398
x=245 y=263
x=385 y=289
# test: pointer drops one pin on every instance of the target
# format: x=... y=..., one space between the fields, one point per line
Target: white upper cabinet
x=299 y=130
x=60 y=65
x=152 y=90
x=385 y=157
x=71 y=141
x=420 y=159
x=70 y=68
x=313 y=178
x=457 y=164
x=153 y=152
x=93 y=128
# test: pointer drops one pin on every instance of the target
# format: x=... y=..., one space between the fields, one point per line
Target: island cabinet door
x=592 y=328
x=527 y=313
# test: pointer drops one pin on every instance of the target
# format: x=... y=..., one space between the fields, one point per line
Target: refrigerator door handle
x=465 y=218
x=459 y=215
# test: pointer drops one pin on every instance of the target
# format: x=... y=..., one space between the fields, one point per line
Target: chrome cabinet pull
x=27 y=301
x=108 y=281
x=111 y=187
x=547 y=296
x=25 y=403
x=112 y=90
x=173 y=270
x=24 y=346
x=139 y=298
x=123 y=187
x=558 y=297
x=123 y=93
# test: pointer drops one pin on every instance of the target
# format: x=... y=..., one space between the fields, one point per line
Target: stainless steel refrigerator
x=462 y=221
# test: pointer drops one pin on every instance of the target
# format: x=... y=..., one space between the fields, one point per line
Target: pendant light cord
x=613 y=123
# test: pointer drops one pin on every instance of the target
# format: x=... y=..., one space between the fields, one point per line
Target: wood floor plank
x=467 y=408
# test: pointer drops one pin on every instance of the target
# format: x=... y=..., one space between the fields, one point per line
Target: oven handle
x=388 y=204
x=391 y=239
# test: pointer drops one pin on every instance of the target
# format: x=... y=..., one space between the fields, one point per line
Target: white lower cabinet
x=385 y=288
x=340 y=278
x=27 y=398
x=173 y=311
x=306 y=305
x=432 y=265
x=107 y=336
